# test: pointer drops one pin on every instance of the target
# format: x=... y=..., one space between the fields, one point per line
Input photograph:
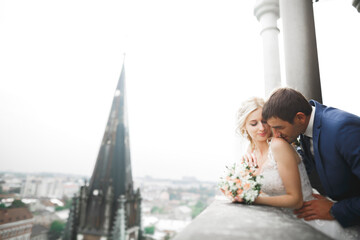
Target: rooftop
x=14 y=214
x=38 y=229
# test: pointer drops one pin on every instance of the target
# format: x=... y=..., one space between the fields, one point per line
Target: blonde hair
x=246 y=108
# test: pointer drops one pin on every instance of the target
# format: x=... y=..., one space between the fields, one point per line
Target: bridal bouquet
x=241 y=182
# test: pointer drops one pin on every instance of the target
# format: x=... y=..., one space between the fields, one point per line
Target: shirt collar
x=309 y=130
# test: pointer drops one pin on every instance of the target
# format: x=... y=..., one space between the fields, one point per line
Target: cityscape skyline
x=188 y=68
x=167 y=205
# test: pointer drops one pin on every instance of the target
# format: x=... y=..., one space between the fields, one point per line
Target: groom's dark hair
x=285 y=103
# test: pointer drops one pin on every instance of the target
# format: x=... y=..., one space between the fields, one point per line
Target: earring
x=245 y=134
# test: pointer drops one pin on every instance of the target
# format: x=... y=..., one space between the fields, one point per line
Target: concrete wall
x=223 y=220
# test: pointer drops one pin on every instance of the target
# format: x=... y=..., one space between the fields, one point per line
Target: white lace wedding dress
x=273 y=186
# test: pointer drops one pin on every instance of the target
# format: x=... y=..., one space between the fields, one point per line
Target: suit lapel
x=309 y=161
x=316 y=138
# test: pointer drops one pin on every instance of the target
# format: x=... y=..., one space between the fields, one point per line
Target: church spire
x=113 y=164
x=98 y=204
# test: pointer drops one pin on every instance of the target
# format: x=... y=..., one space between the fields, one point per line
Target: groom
x=330 y=140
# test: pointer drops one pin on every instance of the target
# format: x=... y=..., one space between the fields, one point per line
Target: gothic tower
x=108 y=208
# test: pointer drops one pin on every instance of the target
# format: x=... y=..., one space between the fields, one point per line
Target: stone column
x=267 y=13
x=356 y=4
x=301 y=59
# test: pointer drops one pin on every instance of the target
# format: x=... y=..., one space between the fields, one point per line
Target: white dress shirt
x=309 y=130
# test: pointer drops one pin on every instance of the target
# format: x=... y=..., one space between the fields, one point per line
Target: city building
x=15 y=223
x=9 y=183
x=49 y=187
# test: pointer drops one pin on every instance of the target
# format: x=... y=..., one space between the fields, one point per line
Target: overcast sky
x=188 y=63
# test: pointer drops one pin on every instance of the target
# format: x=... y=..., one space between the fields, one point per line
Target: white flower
x=239 y=180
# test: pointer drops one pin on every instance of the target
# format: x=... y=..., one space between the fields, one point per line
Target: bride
x=285 y=183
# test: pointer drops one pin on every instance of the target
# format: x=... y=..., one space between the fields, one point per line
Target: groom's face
x=283 y=129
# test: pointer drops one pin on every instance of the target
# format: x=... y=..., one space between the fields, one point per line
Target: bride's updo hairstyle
x=244 y=111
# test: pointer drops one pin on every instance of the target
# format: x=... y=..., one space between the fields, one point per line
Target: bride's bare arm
x=287 y=162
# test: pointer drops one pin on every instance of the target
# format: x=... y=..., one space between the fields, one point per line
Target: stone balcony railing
x=224 y=220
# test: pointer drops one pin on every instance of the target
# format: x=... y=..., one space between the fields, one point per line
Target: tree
x=157 y=209
x=17 y=204
x=149 y=230
x=197 y=209
x=59 y=208
x=56 y=230
x=68 y=203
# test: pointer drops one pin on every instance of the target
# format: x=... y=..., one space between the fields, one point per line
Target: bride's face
x=256 y=127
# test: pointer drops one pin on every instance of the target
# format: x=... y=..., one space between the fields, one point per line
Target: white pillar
x=267 y=13
x=356 y=4
x=301 y=59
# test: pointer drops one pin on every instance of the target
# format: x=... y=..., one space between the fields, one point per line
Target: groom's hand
x=315 y=209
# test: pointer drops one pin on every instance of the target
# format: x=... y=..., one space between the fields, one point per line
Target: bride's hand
x=236 y=199
x=250 y=159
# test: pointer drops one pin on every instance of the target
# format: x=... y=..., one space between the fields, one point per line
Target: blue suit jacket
x=336 y=141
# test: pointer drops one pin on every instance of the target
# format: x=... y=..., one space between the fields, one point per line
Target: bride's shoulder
x=283 y=151
x=277 y=143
